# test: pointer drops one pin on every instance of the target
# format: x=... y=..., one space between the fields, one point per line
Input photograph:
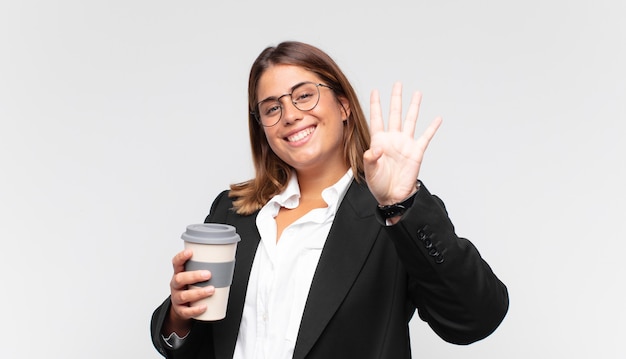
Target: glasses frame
x=256 y=115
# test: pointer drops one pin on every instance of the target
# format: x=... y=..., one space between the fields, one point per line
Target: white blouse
x=282 y=273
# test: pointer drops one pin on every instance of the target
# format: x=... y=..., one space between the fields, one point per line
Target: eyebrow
x=290 y=91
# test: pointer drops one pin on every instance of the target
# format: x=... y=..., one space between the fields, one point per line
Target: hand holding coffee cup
x=181 y=295
x=213 y=246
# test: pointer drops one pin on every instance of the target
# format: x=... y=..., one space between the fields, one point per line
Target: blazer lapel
x=225 y=332
x=351 y=237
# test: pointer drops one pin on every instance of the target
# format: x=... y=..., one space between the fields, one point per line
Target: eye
x=305 y=93
x=269 y=108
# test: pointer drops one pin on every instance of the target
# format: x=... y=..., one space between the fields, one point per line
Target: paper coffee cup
x=214 y=246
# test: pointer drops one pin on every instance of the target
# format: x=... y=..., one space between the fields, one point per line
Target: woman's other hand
x=392 y=163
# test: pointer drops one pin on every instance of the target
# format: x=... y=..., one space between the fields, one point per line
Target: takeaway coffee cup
x=214 y=246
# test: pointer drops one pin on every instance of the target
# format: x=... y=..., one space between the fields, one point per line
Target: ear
x=345 y=107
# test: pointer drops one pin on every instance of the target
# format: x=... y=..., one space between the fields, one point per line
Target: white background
x=121 y=120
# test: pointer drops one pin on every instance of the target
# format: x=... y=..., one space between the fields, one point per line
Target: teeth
x=300 y=135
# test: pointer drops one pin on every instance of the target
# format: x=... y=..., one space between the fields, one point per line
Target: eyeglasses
x=304 y=97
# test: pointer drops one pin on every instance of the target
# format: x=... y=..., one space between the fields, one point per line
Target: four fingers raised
x=395 y=113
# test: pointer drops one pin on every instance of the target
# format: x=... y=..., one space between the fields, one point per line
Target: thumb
x=372 y=155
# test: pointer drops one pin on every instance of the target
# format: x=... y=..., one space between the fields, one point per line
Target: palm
x=393 y=161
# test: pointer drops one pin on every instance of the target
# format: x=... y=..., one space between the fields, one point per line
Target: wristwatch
x=398 y=209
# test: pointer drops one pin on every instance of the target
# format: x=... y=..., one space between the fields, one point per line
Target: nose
x=290 y=113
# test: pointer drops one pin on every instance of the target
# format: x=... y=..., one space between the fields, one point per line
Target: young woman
x=340 y=241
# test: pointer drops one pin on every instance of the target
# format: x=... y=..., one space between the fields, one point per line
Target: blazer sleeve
x=198 y=343
x=453 y=288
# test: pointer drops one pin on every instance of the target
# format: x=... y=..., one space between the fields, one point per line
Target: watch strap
x=398 y=209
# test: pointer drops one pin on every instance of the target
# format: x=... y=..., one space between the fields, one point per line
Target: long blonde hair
x=271 y=173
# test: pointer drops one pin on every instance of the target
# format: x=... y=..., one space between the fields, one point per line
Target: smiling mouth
x=301 y=135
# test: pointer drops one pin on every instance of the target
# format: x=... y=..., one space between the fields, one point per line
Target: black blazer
x=369 y=280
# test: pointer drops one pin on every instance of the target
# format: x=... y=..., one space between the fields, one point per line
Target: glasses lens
x=269 y=112
x=305 y=96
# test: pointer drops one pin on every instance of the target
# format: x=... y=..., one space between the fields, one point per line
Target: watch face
x=391 y=211
x=397 y=209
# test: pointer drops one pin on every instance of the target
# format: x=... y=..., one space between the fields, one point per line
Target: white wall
x=115 y=118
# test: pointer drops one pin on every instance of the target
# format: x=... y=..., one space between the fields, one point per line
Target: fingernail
x=206 y=274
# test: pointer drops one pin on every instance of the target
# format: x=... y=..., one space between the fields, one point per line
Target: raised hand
x=393 y=161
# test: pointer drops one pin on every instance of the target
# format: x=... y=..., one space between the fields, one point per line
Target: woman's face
x=309 y=141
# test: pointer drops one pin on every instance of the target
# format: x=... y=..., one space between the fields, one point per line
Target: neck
x=312 y=183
